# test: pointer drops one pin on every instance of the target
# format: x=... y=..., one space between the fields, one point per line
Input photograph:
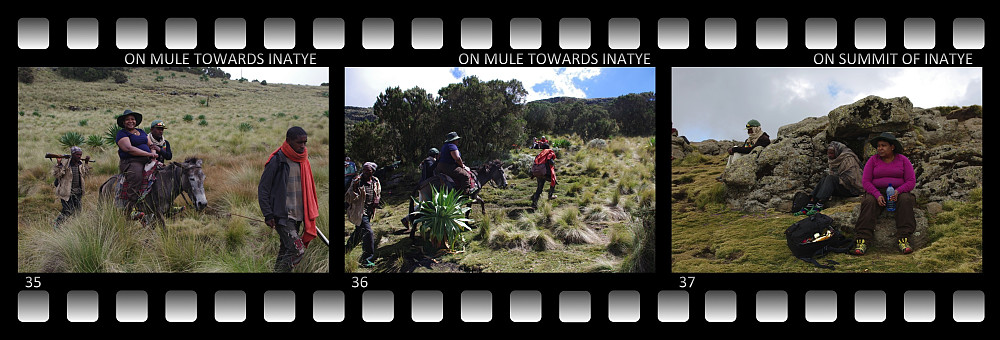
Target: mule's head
x=193 y=182
x=497 y=173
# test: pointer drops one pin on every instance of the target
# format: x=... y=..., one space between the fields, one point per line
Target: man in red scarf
x=287 y=198
x=547 y=157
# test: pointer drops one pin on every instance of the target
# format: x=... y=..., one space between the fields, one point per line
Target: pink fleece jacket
x=879 y=174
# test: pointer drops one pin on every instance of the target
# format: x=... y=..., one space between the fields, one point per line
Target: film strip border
x=477 y=33
x=525 y=306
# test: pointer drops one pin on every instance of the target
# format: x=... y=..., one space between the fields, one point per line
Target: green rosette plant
x=442 y=218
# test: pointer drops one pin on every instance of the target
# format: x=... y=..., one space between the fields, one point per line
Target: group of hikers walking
x=363 y=189
x=884 y=183
x=286 y=191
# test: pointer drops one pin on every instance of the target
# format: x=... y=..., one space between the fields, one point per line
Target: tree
x=540 y=118
x=367 y=142
x=593 y=122
x=411 y=121
x=487 y=115
x=635 y=113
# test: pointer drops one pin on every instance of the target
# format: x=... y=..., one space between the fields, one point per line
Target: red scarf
x=310 y=205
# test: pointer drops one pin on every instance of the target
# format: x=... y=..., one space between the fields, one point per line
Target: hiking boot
x=817 y=208
x=904 y=246
x=135 y=215
x=860 y=247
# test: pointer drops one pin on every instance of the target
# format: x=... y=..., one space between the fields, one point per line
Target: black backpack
x=800 y=201
x=814 y=237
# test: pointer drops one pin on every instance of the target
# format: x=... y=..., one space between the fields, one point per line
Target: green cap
x=752 y=123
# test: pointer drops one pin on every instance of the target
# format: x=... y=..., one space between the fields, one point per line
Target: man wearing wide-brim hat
x=450 y=163
x=886 y=167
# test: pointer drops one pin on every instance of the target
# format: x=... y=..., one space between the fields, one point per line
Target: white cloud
x=363 y=85
x=715 y=103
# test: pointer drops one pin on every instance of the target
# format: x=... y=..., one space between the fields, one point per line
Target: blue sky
x=363 y=85
x=716 y=103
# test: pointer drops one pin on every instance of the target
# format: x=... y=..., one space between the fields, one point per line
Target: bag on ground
x=814 y=237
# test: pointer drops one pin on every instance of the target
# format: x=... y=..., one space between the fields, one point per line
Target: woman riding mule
x=133 y=152
x=175 y=179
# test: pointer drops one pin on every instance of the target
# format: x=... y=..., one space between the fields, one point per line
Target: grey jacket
x=271 y=190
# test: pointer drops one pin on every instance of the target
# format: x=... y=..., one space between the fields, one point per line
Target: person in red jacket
x=547 y=157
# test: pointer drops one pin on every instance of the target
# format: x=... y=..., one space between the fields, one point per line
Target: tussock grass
x=589 y=228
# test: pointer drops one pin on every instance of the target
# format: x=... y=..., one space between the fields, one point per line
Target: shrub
x=188 y=118
x=95 y=141
x=71 y=139
x=111 y=133
x=25 y=75
x=442 y=218
x=597 y=143
x=561 y=143
x=244 y=127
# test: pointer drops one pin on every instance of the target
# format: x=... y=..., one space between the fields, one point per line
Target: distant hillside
x=353 y=114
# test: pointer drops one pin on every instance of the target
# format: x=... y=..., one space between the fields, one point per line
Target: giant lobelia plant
x=442 y=217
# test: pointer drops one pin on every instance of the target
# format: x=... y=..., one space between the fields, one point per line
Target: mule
x=172 y=180
x=491 y=172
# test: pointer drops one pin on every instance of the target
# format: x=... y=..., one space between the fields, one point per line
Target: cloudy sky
x=283 y=75
x=363 y=85
x=716 y=103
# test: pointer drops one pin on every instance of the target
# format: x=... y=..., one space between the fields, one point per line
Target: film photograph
x=173 y=170
x=789 y=171
x=500 y=170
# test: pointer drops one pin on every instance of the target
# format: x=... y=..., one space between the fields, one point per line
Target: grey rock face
x=944 y=147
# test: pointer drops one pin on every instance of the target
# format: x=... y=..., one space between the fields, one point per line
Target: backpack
x=800 y=201
x=814 y=237
x=539 y=170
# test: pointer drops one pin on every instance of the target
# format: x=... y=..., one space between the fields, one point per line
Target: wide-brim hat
x=452 y=136
x=121 y=118
x=888 y=137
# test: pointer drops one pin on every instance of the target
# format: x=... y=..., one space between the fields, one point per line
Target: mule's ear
x=198 y=162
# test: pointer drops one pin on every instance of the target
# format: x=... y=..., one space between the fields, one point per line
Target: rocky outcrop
x=944 y=145
x=885 y=237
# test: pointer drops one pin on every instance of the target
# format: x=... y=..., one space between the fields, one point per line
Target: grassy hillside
x=593 y=225
x=233 y=126
x=706 y=237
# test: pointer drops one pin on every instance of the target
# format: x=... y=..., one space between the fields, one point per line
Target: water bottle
x=890 y=204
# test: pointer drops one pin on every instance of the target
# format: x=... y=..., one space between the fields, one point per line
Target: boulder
x=714 y=147
x=943 y=144
x=679 y=147
x=885 y=229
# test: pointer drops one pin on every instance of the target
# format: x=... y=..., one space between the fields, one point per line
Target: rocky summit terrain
x=943 y=143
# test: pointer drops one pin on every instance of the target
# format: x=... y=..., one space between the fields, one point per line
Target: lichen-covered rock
x=714 y=147
x=943 y=144
x=885 y=238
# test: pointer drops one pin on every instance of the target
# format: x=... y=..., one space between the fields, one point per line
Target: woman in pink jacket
x=886 y=167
